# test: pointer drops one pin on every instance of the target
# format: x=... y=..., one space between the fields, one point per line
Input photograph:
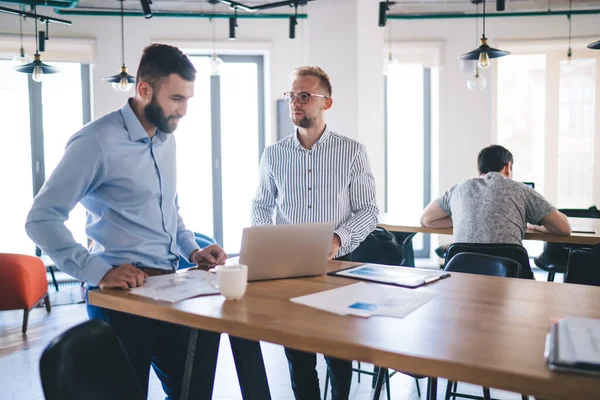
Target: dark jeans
x=305 y=381
x=165 y=346
x=303 y=373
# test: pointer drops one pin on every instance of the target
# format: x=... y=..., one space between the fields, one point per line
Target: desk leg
x=431 y=388
x=189 y=365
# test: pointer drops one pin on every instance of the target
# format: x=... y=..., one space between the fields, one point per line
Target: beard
x=155 y=115
x=305 y=122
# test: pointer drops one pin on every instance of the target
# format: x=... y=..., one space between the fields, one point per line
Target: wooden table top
x=395 y=224
x=483 y=330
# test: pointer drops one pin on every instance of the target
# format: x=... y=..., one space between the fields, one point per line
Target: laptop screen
x=530 y=184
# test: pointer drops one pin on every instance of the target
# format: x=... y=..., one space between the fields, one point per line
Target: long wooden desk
x=484 y=330
x=395 y=224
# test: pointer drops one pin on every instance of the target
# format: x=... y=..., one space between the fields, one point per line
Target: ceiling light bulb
x=477 y=82
x=123 y=85
x=389 y=62
x=484 y=60
x=22 y=58
x=37 y=74
x=215 y=65
x=571 y=63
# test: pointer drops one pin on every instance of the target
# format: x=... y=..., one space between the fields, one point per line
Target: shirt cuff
x=344 y=237
x=95 y=270
x=186 y=247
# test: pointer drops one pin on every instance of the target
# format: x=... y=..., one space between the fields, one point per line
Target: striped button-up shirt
x=332 y=182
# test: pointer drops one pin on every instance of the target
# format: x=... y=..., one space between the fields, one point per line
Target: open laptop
x=286 y=251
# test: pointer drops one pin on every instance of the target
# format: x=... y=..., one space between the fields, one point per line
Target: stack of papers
x=573 y=344
x=175 y=287
x=367 y=299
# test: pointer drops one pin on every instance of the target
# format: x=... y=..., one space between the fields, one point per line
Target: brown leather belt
x=155 y=271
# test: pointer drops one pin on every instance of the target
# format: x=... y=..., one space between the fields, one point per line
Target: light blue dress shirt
x=127 y=183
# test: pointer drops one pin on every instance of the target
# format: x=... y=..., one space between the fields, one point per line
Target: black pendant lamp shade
x=484 y=52
x=36 y=68
x=492 y=52
x=122 y=82
x=594 y=46
x=37 y=63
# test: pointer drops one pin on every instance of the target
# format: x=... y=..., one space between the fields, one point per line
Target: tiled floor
x=19 y=379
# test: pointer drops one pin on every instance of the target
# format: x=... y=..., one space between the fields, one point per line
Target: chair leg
x=448 y=390
x=47 y=302
x=524 y=397
x=379 y=378
x=359 y=371
x=54 y=282
x=376 y=370
x=431 y=388
x=486 y=394
x=551 y=276
x=25 y=320
x=418 y=388
x=327 y=379
x=387 y=384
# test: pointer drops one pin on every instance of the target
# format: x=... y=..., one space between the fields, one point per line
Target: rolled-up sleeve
x=81 y=169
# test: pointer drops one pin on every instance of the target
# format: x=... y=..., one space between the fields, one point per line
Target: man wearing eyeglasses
x=317 y=175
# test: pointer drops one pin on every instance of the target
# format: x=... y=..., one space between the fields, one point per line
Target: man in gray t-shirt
x=493 y=208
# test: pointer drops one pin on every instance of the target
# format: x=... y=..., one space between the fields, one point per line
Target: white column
x=346 y=41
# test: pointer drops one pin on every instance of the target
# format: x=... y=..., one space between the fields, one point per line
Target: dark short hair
x=493 y=159
x=161 y=60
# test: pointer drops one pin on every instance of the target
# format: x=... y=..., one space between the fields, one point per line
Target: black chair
x=554 y=257
x=481 y=264
x=88 y=361
x=584 y=267
x=513 y=251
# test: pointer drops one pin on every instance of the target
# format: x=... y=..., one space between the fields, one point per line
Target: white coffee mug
x=231 y=280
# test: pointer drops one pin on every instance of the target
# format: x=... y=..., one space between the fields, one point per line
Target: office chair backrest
x=379 y=247
x=584 y=267
x=88 y=362
x=513 y=251
x=483 y=264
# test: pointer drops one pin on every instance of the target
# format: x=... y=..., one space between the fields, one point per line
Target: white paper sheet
x=367 y=299
x=175 y=287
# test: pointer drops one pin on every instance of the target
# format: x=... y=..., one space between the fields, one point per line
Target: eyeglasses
x=302 y=97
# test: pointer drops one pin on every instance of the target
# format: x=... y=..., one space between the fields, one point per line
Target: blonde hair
x=317 y=72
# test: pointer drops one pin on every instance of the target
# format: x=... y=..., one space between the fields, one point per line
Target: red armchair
x=23 y=284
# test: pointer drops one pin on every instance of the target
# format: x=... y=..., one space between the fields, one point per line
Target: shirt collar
x=133 y=125
x=326 y=134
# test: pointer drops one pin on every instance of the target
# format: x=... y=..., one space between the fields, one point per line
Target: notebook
x=392 y=274
x=573 y=345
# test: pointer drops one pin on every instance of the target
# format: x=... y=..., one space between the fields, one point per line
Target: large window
x=219 y=143
x=546 y=115
x=39 y=126
x=409 y=91
x=15 y=161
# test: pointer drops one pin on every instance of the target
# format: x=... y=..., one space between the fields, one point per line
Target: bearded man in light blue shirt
x=122 y=168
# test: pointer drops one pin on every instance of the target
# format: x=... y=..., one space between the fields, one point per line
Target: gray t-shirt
x=493 y=209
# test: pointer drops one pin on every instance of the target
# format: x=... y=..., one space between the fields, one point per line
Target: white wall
x=342 y=36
